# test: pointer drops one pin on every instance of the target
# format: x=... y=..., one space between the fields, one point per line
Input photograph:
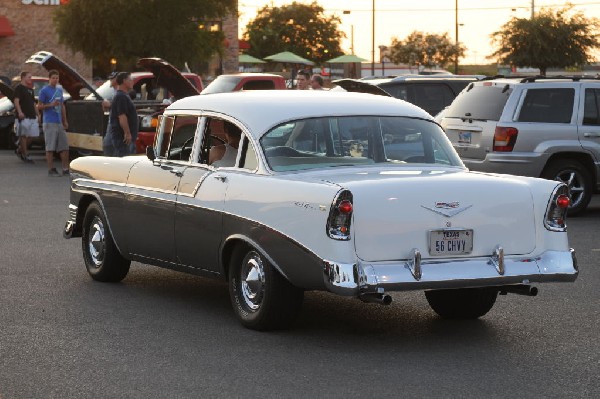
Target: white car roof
x=263 y=109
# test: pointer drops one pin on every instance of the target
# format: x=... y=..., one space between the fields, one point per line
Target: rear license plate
x=450 y=242
x=464 y=137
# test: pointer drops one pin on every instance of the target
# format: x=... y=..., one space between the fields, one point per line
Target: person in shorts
x=51 y=102
x=26 y=123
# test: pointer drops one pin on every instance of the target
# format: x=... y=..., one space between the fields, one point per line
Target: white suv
x=540 y=127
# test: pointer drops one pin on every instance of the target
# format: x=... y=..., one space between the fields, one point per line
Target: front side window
x=182 y=138
x=175 y=137
x=357 y=140
x=553 y=105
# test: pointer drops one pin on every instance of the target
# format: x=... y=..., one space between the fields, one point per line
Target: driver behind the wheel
x=225 y=154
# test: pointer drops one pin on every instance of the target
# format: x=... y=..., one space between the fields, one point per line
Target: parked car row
x=539 y=127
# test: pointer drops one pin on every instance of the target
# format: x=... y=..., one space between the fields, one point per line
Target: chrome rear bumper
x=379 y=277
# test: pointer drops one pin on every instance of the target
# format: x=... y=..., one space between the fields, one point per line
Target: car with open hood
x=154 y=90
x=349 y=193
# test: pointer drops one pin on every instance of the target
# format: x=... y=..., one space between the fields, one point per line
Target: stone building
x=26 y=27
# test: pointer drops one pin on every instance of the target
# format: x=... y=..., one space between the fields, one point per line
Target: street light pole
x=456 y=36
x=373 y=43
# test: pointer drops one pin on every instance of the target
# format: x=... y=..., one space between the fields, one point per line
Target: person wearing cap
x=123 y=117
x=107 y=144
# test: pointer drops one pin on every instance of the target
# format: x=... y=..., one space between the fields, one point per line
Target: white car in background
x=354 y=194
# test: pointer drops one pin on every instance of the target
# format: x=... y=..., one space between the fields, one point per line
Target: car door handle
x=592 y=134
x=176 y=172
x=221 y=178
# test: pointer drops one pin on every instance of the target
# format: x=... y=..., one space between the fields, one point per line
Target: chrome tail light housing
x=556 y=213
x=340 y=217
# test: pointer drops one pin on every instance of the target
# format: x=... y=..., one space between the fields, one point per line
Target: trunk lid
x=395 y=210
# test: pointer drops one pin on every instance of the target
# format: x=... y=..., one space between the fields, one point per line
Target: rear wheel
x=261 y=297
x=465 y=303
x=573 y=174
x=102 y=258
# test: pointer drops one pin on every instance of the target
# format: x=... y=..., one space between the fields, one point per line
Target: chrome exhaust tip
x=382 y=299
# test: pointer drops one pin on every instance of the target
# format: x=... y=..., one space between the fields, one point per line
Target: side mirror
x=150 y=153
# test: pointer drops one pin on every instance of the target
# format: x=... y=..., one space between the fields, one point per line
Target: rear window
x=480 y=102
x=327 y=142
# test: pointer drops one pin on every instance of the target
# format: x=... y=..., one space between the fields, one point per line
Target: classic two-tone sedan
x=354 y=194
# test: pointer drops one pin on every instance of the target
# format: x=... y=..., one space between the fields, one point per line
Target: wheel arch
x=235 y=240
x=584 y=158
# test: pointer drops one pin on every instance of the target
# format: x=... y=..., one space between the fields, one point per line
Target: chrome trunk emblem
x=447 y=209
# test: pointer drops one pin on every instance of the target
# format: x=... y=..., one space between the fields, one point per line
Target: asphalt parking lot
x=162 y=334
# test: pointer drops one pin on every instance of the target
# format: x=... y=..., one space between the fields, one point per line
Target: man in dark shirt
x=123 y=117
x=26 y=124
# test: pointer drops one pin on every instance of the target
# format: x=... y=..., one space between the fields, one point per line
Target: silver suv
x=540 y=127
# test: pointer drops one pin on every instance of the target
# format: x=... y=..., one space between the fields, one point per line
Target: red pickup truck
x=245 y=81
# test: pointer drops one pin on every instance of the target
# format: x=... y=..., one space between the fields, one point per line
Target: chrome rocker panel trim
x=378 y=277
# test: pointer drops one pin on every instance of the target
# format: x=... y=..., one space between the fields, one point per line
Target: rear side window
x=547 y=105
x=591 y=114
x=480 y=102
x=431 y=97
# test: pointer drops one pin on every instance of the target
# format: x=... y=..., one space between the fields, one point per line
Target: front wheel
x=261 y=297
x=465 y=303
x=574 y=175
x=102 y=259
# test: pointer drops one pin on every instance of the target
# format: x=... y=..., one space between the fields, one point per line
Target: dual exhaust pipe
x=382 y=299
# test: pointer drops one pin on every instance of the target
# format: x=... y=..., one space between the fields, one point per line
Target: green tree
x=549 y=39
x=302 y=29
x=130 y=29
x=425 y=50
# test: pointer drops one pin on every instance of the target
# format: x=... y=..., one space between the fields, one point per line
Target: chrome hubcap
x=253 y=280
x=575 y=182
x=96 y=242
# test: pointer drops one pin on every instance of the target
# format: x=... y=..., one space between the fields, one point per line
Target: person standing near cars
x=302 y=80
x=316 y=82
x=107 y=145
x=51 y=102
x=26 y=124
x=123 y=117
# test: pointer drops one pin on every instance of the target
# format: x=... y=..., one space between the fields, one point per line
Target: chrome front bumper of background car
x=496 y=270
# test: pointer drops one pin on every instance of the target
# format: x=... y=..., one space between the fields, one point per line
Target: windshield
x=356 y=140
x=222 y=84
